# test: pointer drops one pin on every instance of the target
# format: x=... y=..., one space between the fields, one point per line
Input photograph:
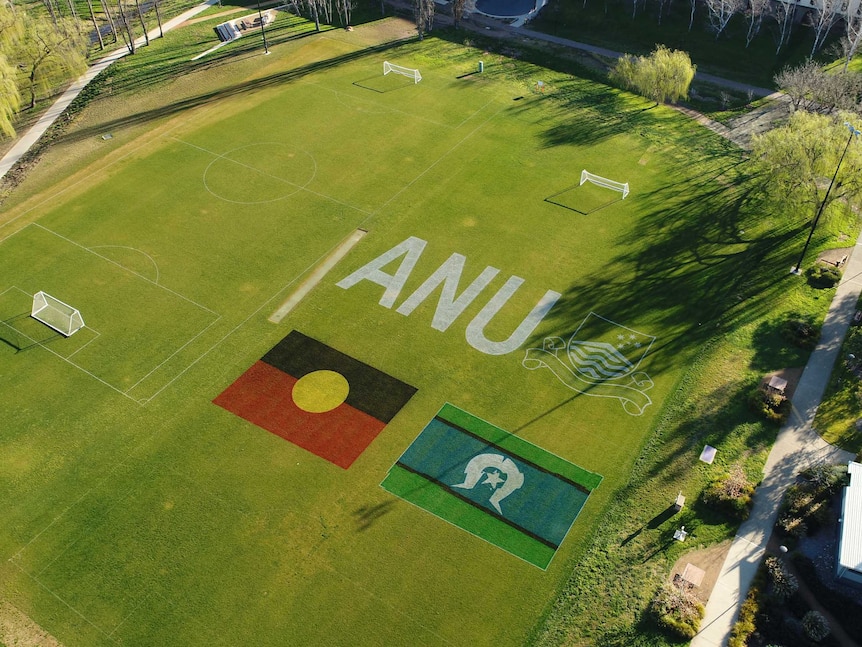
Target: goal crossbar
x=623 y=187
x=55 y=314
x=400 y=69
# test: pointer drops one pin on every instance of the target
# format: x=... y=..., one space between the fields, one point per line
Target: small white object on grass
x=708 y=454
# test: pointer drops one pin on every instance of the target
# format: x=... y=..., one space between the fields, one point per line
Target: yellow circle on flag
x=320 y=391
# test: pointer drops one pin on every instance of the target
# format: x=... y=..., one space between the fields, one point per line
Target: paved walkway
x=798 y=446
x=29 y=138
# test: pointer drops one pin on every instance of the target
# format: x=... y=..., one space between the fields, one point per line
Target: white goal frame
x=399 y=69
x=55 y=314
x=623 y=187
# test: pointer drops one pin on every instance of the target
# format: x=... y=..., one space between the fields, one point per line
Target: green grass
x=841 y=407
x=137 y=511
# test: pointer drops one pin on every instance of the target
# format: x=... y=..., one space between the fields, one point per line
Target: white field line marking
x=78 y=613
x=317 y=276
x=430 y=167
x=299 y=188
x=134 y=249
x=374 y=596
x=92 y=339
x=226 y=156
x=71 y=363
x=144 y=598
x=169 y=357
x=253 y=314
x=98 y=173
x=112 y=262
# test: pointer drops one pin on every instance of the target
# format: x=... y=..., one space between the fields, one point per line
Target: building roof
x=850 y=547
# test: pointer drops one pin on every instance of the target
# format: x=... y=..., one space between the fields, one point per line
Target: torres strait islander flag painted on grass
x=493 y=484
x=317 y=398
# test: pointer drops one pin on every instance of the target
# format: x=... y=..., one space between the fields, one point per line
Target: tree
x=853 y=35
x=665 y=75
x=423 y=12
x=757 y=9
x=797 y=161
x=48 y=54
x=10 y=97
x=458 y=7
x=721 y=11
x=783 y=12
x=826 y=14
x=811 y=88
x=344 y=8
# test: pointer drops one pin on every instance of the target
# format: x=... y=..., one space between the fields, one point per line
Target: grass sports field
x=159 y=486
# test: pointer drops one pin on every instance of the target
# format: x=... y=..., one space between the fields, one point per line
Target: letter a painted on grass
x=411 y=249
x=449 y=307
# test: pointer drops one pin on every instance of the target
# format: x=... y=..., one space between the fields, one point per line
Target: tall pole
x=853 y=133
x=262 y=30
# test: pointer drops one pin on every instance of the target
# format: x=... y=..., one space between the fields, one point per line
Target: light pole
x=263 y=31
x=853 y=133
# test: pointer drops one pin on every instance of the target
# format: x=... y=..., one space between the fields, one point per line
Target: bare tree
x=158 y=18
x=344 y=8
x=783 y=12
x=721 y=11
x=107 y=11
x=826 y=14
x=853 y=35
x=143 y=26
x=757 y=9
x=458 y=7
x=692 y=6
x=125 y=27
x=798 y=83
x=95 y=25
x=662 y=4
x=423 y=12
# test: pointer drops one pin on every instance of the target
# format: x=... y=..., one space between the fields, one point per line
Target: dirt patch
x=792 y=375
x=710 y=560
x=836 y=257
x=18 y=630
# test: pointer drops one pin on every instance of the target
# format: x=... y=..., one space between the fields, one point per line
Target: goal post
x=55 y=314
x=399 y=69
x=598 y=180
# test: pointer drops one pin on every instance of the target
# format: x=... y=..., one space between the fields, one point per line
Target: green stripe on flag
x=425 y=494
x=511 y=443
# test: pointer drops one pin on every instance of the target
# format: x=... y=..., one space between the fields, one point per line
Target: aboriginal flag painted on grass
x=317 y=397
x=493 y=484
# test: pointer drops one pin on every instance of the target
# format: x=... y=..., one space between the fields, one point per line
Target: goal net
x=623 y=187
x=55 y=314
x=398 y=69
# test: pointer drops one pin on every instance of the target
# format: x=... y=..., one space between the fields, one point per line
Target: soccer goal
x=623 y=187
x=55 y=314
x=398 y=69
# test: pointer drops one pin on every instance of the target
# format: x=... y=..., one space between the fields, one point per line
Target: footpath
x=28 y=139
x=797 y=447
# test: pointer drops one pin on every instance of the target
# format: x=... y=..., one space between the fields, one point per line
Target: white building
x=849 y=568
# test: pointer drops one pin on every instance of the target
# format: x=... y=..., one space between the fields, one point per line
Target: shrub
x=730 y=492
x=815 y=625
x=772 y=406
x=677 y=610
x=784 y=583
x=800 y=333
x=823 y=276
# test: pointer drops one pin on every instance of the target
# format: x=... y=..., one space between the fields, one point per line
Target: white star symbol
x=493 y=479
x=638 y=344
x=631 y=336
x=621 y=337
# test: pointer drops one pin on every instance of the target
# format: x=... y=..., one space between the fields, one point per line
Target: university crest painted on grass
x=601 y=360
x=493 y=484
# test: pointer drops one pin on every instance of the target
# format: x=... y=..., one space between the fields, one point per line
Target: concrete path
x=798 y=446
x=38 y=129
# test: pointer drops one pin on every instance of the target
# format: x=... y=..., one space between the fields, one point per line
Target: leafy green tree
x=10 y=97
x=49 y=54
x=663 y=76
x=798 y=159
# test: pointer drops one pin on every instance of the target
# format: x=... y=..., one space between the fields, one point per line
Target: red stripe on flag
x=263 y=396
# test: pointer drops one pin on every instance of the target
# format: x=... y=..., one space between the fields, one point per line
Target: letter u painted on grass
x=450 y=304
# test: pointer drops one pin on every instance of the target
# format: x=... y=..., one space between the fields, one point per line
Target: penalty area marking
x=316 y=276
